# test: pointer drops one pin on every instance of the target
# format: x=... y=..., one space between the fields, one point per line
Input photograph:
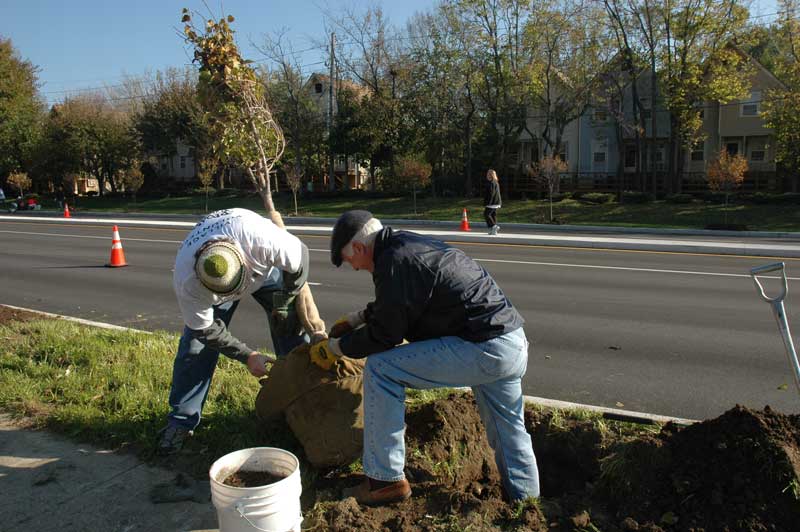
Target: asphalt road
x=671 y=334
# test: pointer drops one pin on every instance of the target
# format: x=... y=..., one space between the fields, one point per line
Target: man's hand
x=322 y=355
x=345 y=324
x=257 y=364
x=340 y=328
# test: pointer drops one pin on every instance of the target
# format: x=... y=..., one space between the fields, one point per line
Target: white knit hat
x=220 y=267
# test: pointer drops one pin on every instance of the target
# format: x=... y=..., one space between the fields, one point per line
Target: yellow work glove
x=322 y=354
x=345 y=324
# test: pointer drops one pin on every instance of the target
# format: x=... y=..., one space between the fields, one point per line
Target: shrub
x=679 y=198
x=632 y=196
x=560 y=196
x=788 y=197
x=597 y=197
x=714 y=197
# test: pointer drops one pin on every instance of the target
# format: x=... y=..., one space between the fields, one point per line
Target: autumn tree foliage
x=726 y=172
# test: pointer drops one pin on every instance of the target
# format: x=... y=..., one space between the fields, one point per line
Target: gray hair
x=366 y=235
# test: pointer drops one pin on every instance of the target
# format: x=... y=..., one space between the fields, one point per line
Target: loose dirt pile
x=10 y=314
x=740 y=471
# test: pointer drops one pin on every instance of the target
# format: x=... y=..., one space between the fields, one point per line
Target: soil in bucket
x=251 y=479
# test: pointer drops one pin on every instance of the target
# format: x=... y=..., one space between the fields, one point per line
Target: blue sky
x=92 y=43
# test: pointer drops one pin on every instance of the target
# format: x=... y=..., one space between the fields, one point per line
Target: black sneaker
x=172 y=438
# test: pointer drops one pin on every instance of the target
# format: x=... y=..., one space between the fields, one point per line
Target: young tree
x=240 y=120
x=295 y=179
x=20 y=180
x=207 y=167
x=413 y=172
x=241 y=123
x=725 y=173
x=548 y=171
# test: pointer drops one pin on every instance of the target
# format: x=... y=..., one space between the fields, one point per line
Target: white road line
x=530 y=263
x=648 y=270
x=95 y=237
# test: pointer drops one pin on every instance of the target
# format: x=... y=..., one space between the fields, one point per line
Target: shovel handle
x=755 y=272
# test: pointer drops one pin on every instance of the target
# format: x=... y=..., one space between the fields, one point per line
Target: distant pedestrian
x=2 y=194
x=491 y=202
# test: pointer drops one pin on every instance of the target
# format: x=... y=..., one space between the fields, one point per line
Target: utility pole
x=331 y=174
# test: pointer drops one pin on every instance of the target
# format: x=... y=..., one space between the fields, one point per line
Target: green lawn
x=698 y=214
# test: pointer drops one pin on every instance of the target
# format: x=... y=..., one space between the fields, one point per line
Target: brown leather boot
x=394 y=492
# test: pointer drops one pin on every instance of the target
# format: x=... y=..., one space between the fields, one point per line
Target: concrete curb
x=752 y=249
x=608 y=413
x=76 y=320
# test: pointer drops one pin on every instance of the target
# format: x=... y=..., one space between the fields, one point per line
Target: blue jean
x=494 y=369
x=195 y=363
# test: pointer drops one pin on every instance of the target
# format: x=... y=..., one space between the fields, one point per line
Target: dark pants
x=195 y=363
x=490 y=215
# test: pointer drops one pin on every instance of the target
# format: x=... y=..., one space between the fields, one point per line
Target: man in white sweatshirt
x=228 y=255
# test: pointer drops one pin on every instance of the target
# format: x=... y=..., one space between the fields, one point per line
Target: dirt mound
x=10 y=314
x=738 y=472
x=455 y=482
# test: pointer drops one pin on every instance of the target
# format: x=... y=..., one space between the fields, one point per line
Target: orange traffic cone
x=464 y=221
x=66 y=211
x=117 y=255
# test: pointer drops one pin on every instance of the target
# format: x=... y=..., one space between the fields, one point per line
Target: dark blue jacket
x=427 y=289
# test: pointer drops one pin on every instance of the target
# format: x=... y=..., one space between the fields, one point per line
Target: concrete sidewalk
x=50 y=483
x=751 y=243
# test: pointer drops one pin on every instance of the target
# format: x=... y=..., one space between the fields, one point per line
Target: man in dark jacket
x=463 y=331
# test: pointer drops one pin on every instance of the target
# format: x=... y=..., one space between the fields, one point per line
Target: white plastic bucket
x=271 y=508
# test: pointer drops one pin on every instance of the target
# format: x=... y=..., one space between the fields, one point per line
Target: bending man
x=229 y=254
x=463 y=331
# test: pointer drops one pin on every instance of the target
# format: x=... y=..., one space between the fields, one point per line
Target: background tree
x=782 y=106
x=302 y=121
x=133 y=179
x=21 y=110
x=168 y=113
x=88 y=134
x=20 y=180
x=725 y=173
x=413 y=172
x=697 y=64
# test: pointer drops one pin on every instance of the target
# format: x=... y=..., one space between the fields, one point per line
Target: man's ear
x=358 y=248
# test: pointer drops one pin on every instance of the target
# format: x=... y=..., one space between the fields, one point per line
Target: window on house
x=751 y=106
x=732 y=147
x=647 y=114
x=164 y=165
x=600 y=115
x=659 y=155
x=318 y=88
x=564 y=153
x=630 y=157
x=599 y=156
x=757 y=155
x=699 y=151
x=183 y=161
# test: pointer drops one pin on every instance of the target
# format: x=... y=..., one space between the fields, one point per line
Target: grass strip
x=110 y=388
x=696 y=214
